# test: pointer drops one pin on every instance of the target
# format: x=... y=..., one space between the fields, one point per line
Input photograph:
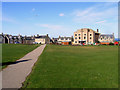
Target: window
x=75 y=37
x=79 y=34
x=84 y=37
x=79 y=41
x=61 y=38
x=84 y=34
x=75 y=41
x=79 y=37
x=75 y=34
x=90 y=34
x=90 y=37
x=101 y=38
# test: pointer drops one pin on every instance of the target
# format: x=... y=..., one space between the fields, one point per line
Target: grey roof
x=55 y=38
x=107 y=35
x=29 y=38
x=42 y=36
x=65 y=37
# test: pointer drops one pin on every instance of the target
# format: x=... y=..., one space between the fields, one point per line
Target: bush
x=111 y=43
x=104 y=44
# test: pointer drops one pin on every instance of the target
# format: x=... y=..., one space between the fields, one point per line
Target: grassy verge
x=75 y=67
x=13 y=52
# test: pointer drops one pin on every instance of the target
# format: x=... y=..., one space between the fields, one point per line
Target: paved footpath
x=14 y=75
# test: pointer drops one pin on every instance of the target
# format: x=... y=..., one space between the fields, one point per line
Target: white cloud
x=61 y=14
x=33 y=9
x=50 y=26
x=6 y=19
x=56 y=30
x=92 y=15
x=101 y=21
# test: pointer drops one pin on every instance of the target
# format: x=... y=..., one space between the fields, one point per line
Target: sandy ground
x=14 y=75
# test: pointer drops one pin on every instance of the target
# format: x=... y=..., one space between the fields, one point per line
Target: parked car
x=35 y=43
x=116 y=43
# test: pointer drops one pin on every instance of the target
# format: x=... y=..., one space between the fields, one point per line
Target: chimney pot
x=97 y=30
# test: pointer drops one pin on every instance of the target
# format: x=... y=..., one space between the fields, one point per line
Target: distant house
x=65 y=40
x=28 y=39
x=6 y=38
x=43 y=39
x=55 y=40
x=106 y=38
x=2 y=39
x=86 y=36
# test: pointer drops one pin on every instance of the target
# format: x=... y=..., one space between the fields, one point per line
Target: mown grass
x=13 y=52
x=75 y=67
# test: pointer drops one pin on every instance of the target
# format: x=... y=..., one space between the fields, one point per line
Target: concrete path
x=14 y=75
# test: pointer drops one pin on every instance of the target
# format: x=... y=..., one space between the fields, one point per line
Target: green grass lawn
x=75 y=67
x=12 y=52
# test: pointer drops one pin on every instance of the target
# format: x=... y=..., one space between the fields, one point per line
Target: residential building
x=106 y=38
x=28 y=39
x=55 y=40
x=6 y=38
x=43 y=39
x=86 y=36
x=65 y=40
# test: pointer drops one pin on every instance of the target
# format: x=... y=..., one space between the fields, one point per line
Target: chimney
x=59 y=36
x=47 y=35
x=97 y=30
x=37 y=35
x=113 y=34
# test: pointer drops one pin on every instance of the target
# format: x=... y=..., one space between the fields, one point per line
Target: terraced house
x=106 y=38
x=86 y=36
x=6 y=38
x=65 y=40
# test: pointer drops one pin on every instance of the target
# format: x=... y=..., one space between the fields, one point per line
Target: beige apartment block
x=106 y=38
x=86 y=36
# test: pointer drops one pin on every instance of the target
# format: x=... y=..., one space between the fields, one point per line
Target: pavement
x=15 y=74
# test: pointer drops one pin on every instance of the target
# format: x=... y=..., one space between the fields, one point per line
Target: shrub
x=104 y=44
x=111 y=43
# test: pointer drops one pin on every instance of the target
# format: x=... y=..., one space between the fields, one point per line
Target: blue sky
x=58 y=18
